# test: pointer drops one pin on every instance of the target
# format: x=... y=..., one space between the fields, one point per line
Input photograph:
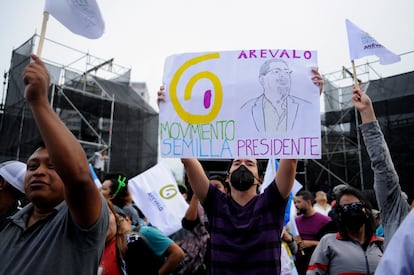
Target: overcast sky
x=141 y=34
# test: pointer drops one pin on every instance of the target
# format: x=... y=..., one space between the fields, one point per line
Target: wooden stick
x=42 y=33
x=356 y=84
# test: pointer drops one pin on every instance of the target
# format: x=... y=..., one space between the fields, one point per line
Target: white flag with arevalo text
x=361 y=44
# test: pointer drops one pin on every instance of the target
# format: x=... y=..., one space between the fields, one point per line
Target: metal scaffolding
x=93 y=98
x=344 y=159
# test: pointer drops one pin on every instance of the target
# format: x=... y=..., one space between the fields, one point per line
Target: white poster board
x=234 y=104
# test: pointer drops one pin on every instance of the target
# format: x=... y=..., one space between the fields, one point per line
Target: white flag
x=362 y=44
x=82 y=17
x=156 y=193
x=271 y=169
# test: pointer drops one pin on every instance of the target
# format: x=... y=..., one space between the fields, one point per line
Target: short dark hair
x=217 y=177
x=260 y=170
x=39 y=143
x=306 y=195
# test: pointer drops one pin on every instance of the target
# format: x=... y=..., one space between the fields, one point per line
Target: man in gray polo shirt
x=62 y=230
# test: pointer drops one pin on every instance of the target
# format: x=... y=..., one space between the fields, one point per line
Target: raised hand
x=160 y=95
x=317 y=80
x=37 y=80
x=364 y=105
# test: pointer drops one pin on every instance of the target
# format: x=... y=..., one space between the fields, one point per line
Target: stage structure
x=93 y=98
x=344 y=158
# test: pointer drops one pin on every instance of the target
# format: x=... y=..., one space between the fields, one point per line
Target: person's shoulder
x=330 y=236
x=317 y=207
x=148 y=230
x=322 y=216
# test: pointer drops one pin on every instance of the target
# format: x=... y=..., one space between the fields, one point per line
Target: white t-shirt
x=99 y=161
x=321 y=210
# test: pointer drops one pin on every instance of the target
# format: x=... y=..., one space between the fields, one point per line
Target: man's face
x=42 y=184
x=276 y=82
x=302 y=206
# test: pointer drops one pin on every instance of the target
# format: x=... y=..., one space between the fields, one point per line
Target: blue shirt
x=156 y=240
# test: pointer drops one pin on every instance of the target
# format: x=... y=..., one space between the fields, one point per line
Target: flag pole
x=356 y=84
x=42 y=33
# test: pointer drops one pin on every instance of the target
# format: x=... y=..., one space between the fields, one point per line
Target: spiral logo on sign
x=218 y=89
x=168 y=191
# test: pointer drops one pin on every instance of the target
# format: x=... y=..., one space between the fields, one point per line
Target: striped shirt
x=245 y=239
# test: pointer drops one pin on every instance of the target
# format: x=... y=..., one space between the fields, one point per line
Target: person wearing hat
x=11 y=188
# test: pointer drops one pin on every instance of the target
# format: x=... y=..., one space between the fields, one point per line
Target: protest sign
x=247 y=103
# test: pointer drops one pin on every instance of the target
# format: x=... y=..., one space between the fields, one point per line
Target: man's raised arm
x=197 y=177
x=285 y=176
x=65 y=152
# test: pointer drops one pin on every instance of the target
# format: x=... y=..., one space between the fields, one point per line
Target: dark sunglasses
x=352 y=206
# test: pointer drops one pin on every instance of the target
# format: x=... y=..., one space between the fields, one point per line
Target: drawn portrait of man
x=275 y=111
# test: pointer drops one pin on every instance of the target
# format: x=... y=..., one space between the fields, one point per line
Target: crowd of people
x=54 y=220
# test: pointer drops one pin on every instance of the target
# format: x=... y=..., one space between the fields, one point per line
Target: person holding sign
x=242 y=222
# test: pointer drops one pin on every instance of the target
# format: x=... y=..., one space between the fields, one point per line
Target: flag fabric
x=95 y=177
x=291 y=225
x=290 y=210
x=362 y=44
x=289 y=204
x=156 y=193
x=269 y=176
x=80 y=17
x=271 y=169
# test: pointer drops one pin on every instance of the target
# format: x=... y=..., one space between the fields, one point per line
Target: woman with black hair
x=355 y=248
x=115 y=188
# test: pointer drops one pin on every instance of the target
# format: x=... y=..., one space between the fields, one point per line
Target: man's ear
x=3 y=184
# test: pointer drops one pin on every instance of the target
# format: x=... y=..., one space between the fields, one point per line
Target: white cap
x=14 y=172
